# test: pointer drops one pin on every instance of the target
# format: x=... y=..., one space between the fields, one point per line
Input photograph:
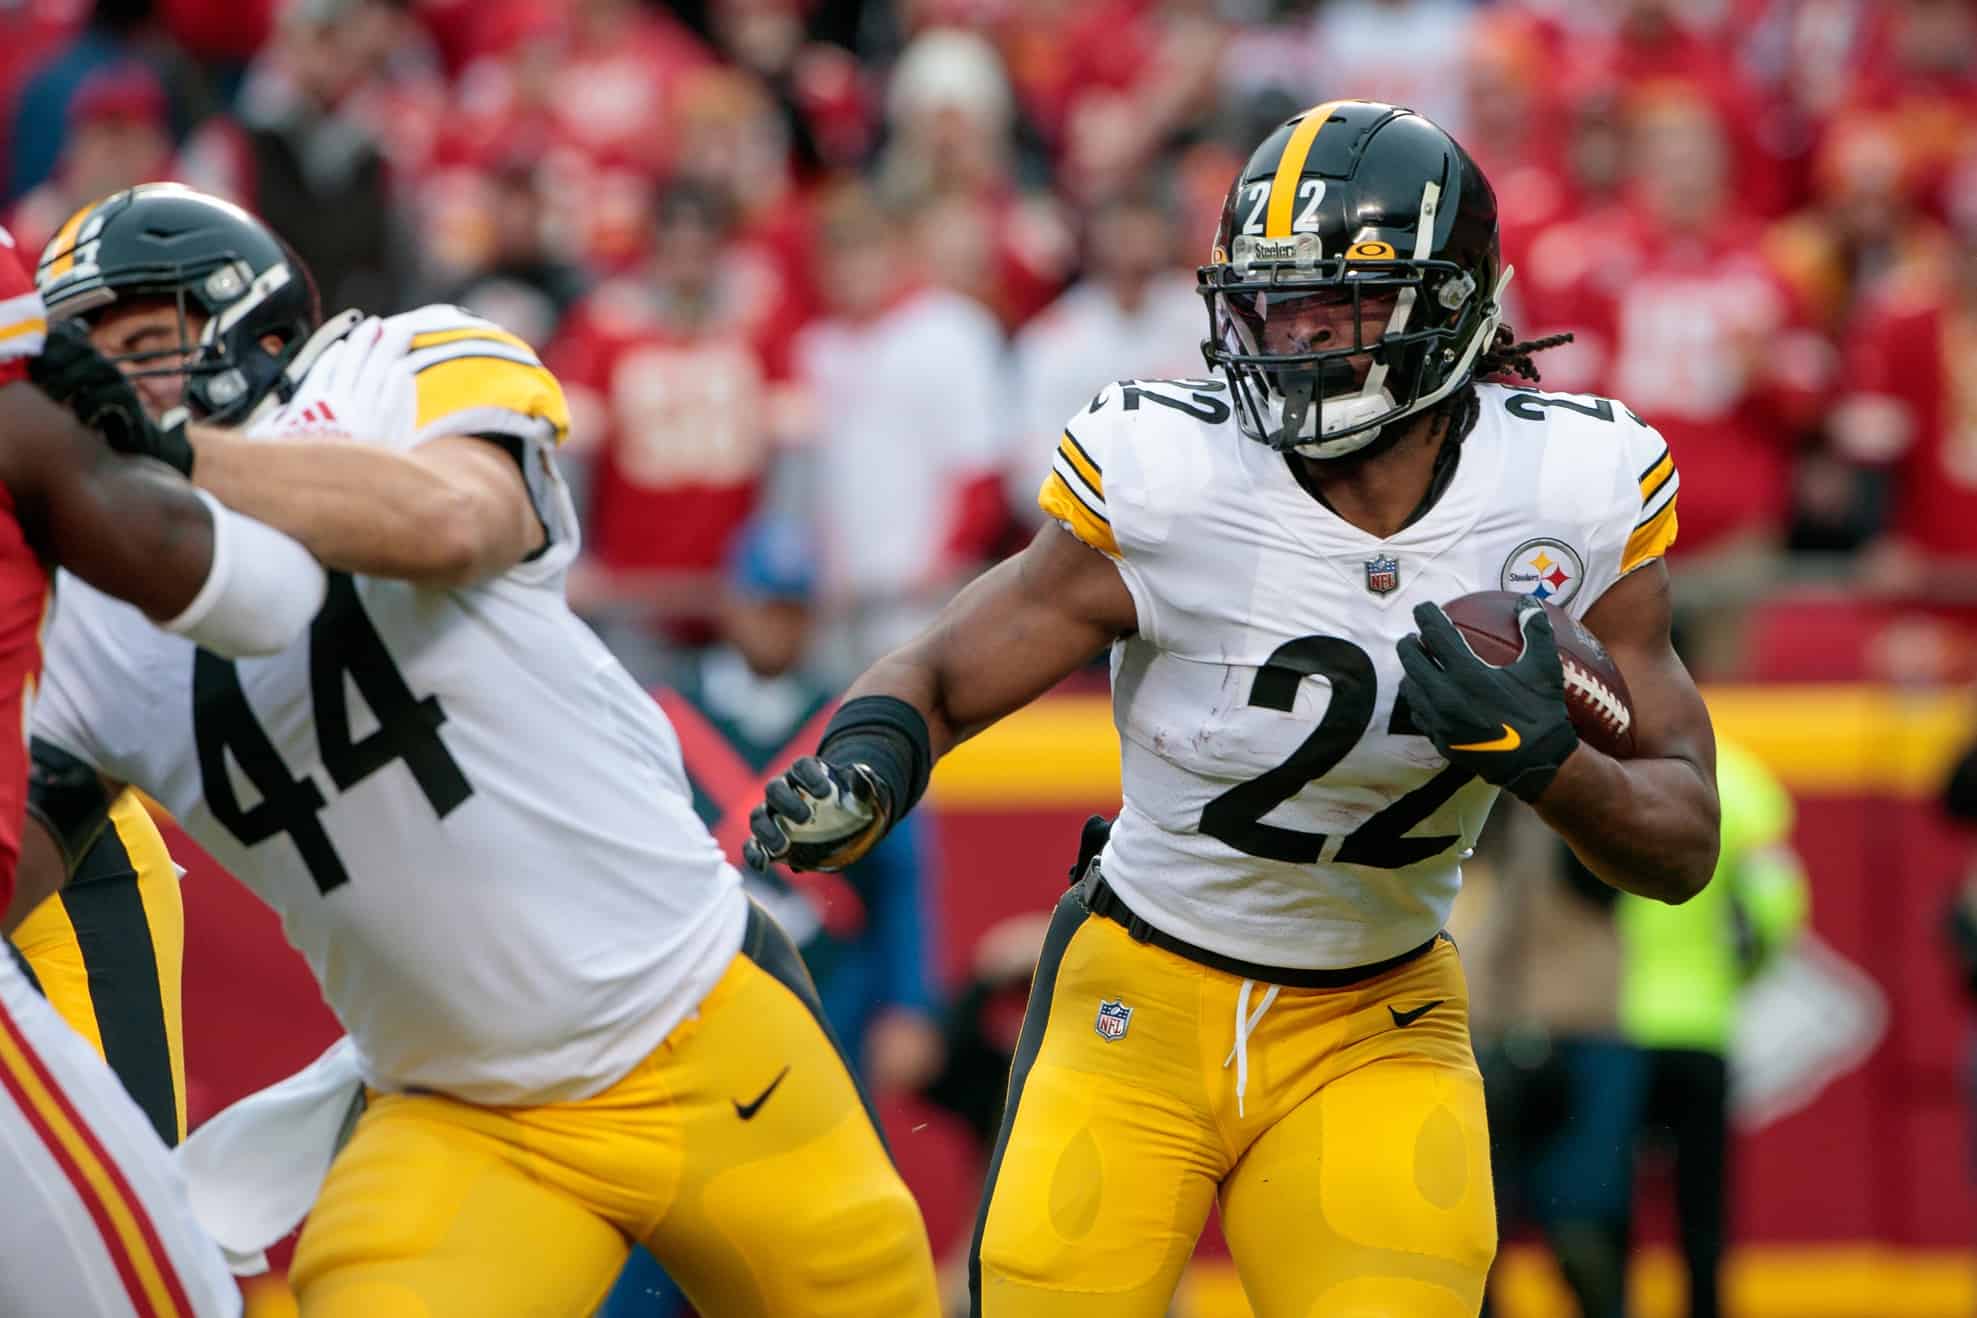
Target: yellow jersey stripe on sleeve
x=1062 y=502
x=1074 y=453
x=1657 y=475
x=1650 y=539
x=461 y=384
x=434 y=338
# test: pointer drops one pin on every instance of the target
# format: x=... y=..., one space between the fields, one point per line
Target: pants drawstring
x=1246 y=1022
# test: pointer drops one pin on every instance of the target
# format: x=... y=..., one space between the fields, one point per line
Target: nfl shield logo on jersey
x=1113 y=1017
x=1383 y=575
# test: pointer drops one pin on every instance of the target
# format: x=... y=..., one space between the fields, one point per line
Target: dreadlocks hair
x=1504 y=357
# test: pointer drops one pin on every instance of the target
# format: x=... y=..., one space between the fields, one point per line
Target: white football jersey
x=474 y=825
x=1278 y=807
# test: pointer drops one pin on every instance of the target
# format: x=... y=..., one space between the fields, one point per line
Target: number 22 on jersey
x=342 y=643
x=1236 y=816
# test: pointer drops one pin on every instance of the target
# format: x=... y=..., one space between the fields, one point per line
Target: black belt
x=1097 y=896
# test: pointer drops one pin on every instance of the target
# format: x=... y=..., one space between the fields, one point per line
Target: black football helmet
x=1355 y=278
x=166 y=240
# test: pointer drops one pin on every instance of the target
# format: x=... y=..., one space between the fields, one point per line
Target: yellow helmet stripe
x=1290 y=168
x=64 y=242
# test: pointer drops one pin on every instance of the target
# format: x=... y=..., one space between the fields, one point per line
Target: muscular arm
x=128 y=527
x=1648 y=825
x=1011 y=635
x=451 y=512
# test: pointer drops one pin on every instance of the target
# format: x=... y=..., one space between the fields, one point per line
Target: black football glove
x=1509 y=725
x=71 y=371
x=818 y=816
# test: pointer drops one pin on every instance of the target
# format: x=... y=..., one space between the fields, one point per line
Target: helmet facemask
x=236 y=289
x=225 y=366
x=1322 y=355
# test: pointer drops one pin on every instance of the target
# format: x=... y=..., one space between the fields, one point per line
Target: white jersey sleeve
x=439 y=371
x=1121 y=476
x=1639 y=523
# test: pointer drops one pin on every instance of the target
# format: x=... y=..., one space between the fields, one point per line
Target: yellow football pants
x=741 y=1152
x=1354 y=1180
x=109 y=953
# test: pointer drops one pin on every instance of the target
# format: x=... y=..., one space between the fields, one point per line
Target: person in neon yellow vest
x=1683 y=971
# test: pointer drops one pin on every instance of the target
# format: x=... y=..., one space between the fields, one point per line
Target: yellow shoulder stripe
x=462 y=384
x=434 y=338
x=1062 y=502
x=35 y=325
x=1081 y=463
x=1650 y=539
x=1657 y=475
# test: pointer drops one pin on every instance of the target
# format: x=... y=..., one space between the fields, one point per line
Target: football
x=1595 y=693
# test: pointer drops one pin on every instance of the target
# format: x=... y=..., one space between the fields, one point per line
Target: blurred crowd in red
x=857 y=260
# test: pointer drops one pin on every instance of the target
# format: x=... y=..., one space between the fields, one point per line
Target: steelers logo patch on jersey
x=1544 y=569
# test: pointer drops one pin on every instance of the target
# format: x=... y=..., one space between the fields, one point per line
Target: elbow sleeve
x=262 y=590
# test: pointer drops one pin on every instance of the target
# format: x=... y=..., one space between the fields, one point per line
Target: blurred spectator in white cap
x=904 y=390
x=117 y=138
x=951 y=119
x=1135 y=314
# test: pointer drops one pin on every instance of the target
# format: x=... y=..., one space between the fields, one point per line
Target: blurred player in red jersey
x=1911 y=408
x=1688 y=322
x=98 y=1221
x=677 y=368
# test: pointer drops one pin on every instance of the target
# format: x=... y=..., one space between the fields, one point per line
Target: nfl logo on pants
x=1113 y=1017
x=1383 y=575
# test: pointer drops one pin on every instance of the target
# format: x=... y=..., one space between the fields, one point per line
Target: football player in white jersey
x=1247 y=995
x=577 y=1032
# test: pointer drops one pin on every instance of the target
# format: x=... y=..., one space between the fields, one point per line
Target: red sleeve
x=14 y=277
x=23 y=320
